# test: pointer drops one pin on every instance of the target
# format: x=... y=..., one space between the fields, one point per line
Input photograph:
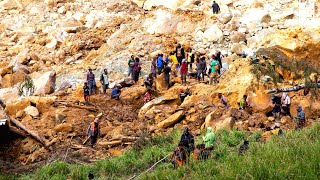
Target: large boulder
x=45 y=84
x=10 y=80
x=238 y=37
x=255 y=16
x=173 y=119
x=65 y=127
x=32 y=111
x=6 y=70
x=238 y=48
x=226 y=123
x=213 y=34
x=10 y=4
x=160 y=83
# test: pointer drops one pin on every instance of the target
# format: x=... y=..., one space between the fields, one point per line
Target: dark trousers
x=93 y=140
x=167 y=79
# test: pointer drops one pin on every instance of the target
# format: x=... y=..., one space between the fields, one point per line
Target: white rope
x=134 y=177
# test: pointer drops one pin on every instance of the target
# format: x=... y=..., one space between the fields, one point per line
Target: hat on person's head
x=96 y=120
x=180 y=90
x=184 y=60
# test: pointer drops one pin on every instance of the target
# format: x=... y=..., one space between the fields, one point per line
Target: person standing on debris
x=91 y=82
x=218 y=58
x=223 y=100
x=130 y=66
x=286 y=102
x=276 y=101
x=136 y=70
x=204 y=67
x=190 y=58
x=215 y=7
x=166 y=75
x=301 y=117
x=214 y=70
x=183 y=72
x=115 y=93
x=160 y=63
x=94 y=131
x=180 y=53
x=187 y=140
x=86 y=93
x=209 y=138
x=175 y=64
x=179 y=156
x=199 y=69
x=104 y=80
x=183 y=94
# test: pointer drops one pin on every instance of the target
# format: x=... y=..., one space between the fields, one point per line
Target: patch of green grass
x=295 y=155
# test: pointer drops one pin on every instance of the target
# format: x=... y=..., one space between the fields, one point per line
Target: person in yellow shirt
x=175 y=63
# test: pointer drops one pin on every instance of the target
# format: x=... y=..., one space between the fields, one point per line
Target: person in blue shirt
x=115 y=93
x=160 y=63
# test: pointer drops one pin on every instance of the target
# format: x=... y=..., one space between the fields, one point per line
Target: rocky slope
x=55 y=41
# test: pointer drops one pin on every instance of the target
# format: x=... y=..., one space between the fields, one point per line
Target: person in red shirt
x=184 y=72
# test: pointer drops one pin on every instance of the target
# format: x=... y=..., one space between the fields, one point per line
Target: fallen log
x=36 y=135
x=294 y=88
x=18 y=131
x=110 y=144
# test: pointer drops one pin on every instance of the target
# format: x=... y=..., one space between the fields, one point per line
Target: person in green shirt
x=210 y=138
x=130 y=64
x=243 y=102
x=214 y=70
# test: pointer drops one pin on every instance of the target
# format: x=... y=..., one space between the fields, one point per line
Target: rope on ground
x=134 y=177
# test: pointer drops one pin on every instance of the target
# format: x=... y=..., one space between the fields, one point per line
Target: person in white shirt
x=286 y=102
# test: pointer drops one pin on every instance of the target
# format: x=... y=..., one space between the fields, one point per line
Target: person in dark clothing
x=204 y=67
x=166 y=75
x=91 y=82
x=187 y=140
x=276 y=101
x=183 y=94
x=180 y=53
x=179 y=156
x=86 y=93
x=215 y=7
x=218 y=58
x=244 y=147
x=136 y=69
x=93 y=131
x=115 y=93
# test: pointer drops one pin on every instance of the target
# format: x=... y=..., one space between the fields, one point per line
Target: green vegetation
x=295 y=155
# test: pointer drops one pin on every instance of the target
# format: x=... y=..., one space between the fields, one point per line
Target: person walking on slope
x=91 y=82
x=215 y=7
x=218 y=58
x=190 y=58
x=130 y=66
x=187 y=140
x=136 y=69
x=104 y=80
x=183 y=72
x=148 y=81
x=276 y=101
x=301 y=118
x=93 y=131
x=154 y=67
x=86 y=93
x=199 y=69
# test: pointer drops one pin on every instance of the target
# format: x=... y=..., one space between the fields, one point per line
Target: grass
x=295 y=155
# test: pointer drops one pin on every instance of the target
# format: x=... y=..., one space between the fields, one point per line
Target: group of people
x=186 y=147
